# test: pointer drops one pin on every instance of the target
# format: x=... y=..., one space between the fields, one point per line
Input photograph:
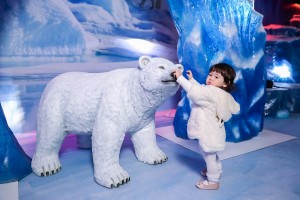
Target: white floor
x=9 y=191
x=265 y=139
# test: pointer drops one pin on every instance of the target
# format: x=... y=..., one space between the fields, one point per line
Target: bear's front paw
x=151 y=156
x=45 y=165
x=111 y=176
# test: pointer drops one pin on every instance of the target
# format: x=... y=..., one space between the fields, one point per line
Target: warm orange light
x=294 y=6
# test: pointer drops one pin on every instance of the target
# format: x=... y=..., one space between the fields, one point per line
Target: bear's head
x=156 y=75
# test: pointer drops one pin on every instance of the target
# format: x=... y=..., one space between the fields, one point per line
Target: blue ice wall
x=212 y=31
x=14 y=163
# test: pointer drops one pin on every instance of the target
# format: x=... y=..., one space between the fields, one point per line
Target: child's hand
x=177 y=73
x=189 y=74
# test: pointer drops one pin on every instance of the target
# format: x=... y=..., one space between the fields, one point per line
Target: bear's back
x=80 y=81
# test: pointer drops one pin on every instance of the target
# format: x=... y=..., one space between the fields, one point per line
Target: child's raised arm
x=189 y=74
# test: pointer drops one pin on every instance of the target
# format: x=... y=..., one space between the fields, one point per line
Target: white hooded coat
x=211 y=107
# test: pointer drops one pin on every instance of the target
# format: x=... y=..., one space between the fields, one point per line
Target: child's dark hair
x=228 y=74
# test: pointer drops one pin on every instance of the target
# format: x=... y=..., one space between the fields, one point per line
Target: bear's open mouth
x=169 y=81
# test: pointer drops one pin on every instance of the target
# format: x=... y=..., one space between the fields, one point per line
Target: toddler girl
x=212 y=105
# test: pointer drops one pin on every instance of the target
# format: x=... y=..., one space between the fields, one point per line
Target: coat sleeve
x=195 y=91
x=193 y=81
x=198 y=93
x=184 y=83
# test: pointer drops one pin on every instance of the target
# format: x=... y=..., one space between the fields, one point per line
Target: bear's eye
x=161 y=67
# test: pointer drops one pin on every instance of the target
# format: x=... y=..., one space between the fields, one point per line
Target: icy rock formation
x=109 y=105
x=14 y=163
x=223 y=31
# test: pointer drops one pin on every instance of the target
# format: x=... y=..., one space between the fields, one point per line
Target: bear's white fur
x=108 y=105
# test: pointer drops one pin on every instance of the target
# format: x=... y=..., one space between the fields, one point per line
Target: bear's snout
x=172 y=78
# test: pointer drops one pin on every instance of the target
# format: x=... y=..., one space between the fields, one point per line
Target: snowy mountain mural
x=77 y=27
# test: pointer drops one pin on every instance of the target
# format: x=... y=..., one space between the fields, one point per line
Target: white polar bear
x=108 y=105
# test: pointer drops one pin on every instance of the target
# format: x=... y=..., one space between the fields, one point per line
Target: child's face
x=215 y=79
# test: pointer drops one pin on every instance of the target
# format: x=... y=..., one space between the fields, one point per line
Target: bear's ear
x=144 y=61
x=180 y=67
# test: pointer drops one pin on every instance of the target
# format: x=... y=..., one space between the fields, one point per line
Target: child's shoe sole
x=204 y=185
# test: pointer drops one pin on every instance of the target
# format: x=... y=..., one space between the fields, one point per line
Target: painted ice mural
x=223 y=31
x=39 y=28
x=41 y=39
x=77 y=27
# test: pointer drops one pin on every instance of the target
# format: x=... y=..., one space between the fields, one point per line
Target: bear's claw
x=160 y=161
x=119 y=184
x=152 y=156
x=112 y=176
x=48 y=172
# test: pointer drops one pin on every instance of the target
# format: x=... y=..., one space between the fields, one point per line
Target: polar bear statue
x=106 y=105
